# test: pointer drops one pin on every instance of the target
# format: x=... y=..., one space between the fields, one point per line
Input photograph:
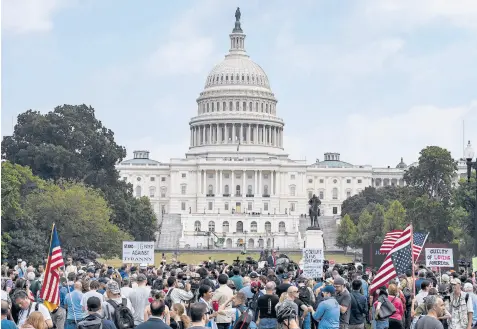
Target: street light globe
x=469 y=152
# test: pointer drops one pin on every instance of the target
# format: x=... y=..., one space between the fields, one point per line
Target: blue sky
x=374 y=80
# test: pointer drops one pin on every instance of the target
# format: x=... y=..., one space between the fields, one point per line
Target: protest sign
x=312 y=263
x=138 y=252
x=439 y=257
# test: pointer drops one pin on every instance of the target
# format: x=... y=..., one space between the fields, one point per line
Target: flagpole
x=412 y=261
x=47 y=269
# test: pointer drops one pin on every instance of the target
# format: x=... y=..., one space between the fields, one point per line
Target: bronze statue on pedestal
x=314 y=211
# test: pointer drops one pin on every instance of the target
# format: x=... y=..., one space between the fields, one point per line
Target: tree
x=346 y=233
x=434 y=174
x=394 y=217
x=377 y=224
x=363 y=229
x=71 y=143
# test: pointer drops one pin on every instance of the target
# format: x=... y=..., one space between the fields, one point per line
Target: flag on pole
x=50 y=292
x=397 y=262
x=389 y=239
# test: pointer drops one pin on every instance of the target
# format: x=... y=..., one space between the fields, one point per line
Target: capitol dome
x=236 y=111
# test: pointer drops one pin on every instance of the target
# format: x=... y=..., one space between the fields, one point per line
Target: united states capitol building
x=236 y=186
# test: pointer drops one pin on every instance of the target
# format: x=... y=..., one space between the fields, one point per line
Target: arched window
x=237 y=190
x=310 y=194
x=207 y=107
x=225 y=227
x=138 y=191
x=152 y=192
x=211 y=226
x=163 y=192
x=281 y=227
x=265 y=189
x=197 y=226
x=269 y=243
x=256 y=106
x=260 y=243
x=292 y=190
x=228 y=243
x=244 y=106
x=230 y=106
x=226 y=189
x=261 y=105
x=239 y=227
x=268 y=227
x=335 y=193
x=237 y=105
x=210 y=189
x=212 y=107
x=249 y=190
x=218 y=106
x=266 y=108
x=250 y=244
x=253 y=227
x=250 y=106
x=223 y=106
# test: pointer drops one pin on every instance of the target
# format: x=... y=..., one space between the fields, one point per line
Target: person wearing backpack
x=94 y=320
x=118 y=309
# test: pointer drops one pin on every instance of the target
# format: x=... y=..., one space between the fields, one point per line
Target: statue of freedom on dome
x=237 y=15
x=314 y=211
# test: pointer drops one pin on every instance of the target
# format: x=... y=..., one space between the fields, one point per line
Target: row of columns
x=258 y=182
x=231 y=133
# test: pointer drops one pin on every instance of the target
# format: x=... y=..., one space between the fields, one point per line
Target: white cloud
x=381 y=140
x=27 y=16
x=186 y=50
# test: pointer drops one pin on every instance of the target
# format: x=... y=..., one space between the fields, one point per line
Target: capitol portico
x=236 y=185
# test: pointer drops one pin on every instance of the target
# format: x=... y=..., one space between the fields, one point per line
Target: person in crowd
x=344 y=299
x=26 y=306
x=267 y=314
x=469 y=290
x=460 y=307
x=283 y=287
x=395 y=320
x=378 y=323
x=139 y=298
x=113 y=295
x=6 y=323
x=435 y=309
x=35 y=320
x=237 y=278
x=93 y=306
x=272 y=259
x=155 y=321
x=421 y=277
x=247 y=289
x=92 y=292
x=425 y=286
x=178 y=318
x=328 y=312
x=359 y=306
x=74 y=310
x=199 y=316
x=176 y=294
x=222 y=295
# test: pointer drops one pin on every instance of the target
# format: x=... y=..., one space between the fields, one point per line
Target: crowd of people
x=221 y=296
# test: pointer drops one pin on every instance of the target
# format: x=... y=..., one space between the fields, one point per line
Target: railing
x=226 y=195
x=249 y=195
x=265 y=195
x=210 y=195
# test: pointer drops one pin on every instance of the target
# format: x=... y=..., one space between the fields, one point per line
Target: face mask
x=4 y=311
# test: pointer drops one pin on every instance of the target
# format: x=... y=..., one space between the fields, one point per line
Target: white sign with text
x=439 y=257
x=313 y=263
x=138 y=252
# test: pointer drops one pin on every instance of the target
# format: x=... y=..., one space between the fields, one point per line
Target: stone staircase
x=170 y=232
x=329 y=228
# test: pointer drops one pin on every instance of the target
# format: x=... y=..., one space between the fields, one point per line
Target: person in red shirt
x=395 y=320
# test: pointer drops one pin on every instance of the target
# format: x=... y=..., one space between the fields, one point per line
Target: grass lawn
x=196 y=258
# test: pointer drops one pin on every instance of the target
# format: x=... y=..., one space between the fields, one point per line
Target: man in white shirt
x=93 y=287
x=20 y=298
x=425 y=285
x=70 y=268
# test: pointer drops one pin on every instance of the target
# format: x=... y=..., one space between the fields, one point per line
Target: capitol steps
x=328 y=226
x=170 y=232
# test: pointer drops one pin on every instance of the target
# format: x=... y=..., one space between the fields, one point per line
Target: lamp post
x=469 y=155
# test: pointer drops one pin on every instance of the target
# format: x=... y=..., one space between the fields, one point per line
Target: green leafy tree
x=71 y=143
x=353 y=206
x=377 y=224
x=394 y=217
x=346 y=233
x=363 y=235
x=434 y=174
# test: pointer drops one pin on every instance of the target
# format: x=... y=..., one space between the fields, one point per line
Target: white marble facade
x=236 y=169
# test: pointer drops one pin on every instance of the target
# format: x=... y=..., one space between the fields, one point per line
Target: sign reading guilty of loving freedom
x=439 y=257
x=138 y=252
x=312 y=263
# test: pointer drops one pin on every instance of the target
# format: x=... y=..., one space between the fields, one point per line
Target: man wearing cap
x=92 y=292
x=139 y=298
x=113 y=293
x=247 y=290
x=94 y=315
x=283 y=287
x=469 y=290
x=460 y=307
x=328 y=311
x=344 y=300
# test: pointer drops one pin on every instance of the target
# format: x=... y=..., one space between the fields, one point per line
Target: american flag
x=50 y=288
x=418 y=242
x=397 y=262
x=391 y=237
x=389 y=240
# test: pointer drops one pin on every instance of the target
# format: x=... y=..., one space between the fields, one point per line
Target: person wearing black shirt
x=266 y=308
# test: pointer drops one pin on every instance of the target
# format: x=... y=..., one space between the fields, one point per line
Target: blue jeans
x=307 y=322
x=71 y=324
x=267 y=323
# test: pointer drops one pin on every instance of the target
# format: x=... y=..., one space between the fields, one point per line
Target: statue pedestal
x=314 y=238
